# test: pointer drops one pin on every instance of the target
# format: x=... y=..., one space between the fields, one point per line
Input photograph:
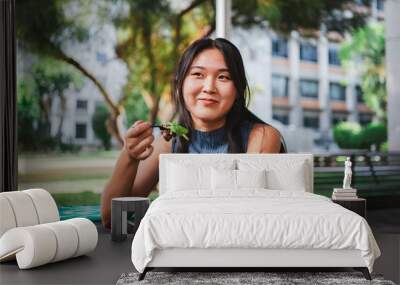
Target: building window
x=283 y=118
x=380 y=5
x=279 y=86
x=311 y=120
x=80 y=131
x=359 y=94
x=334 y=57
x=279 y=47
x=81 y=105
x=337 y=92
x=338 y=117
x=308 y=52
x=365 y=119
x=309 y=88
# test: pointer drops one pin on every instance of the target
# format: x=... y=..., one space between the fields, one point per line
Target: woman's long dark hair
x=239 y=111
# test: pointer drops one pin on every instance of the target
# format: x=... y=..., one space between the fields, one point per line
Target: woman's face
x=208 y=90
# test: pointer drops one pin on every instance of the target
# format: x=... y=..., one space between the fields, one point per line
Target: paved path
x=65 y=174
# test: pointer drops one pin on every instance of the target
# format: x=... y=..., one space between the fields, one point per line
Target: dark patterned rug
x=230 y=278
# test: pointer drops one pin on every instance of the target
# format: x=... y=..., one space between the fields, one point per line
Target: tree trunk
x=62 y=103
x=154 y=109
x=147 y=32
x=114 y=110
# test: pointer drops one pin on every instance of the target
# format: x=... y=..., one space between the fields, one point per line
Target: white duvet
x=252 y=218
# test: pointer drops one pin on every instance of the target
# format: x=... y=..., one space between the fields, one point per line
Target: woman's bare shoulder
x=264 y=139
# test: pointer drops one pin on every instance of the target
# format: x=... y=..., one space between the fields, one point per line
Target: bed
x=247 y=210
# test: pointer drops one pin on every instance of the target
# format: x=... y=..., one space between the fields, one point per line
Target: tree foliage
x=99 y=123
x=352 y=136
x=285 y=16
x=47 y=80
x=135 y=108
x=346 y=135
x=42 y=26
x=45 y=27
x=365 y=50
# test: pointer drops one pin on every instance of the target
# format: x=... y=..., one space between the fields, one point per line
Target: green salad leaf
x=178 y=129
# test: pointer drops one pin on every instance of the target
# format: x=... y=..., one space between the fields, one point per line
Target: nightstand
x=121 y=209
x=357 y=205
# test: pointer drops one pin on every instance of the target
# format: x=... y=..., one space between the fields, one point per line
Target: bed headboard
x=267 y=159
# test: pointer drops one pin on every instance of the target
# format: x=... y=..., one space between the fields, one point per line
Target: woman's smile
x=207 y=101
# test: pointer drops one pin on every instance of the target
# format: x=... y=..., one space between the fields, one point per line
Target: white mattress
x=252 y=218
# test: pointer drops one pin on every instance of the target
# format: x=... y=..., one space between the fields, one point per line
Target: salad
x=172 y=129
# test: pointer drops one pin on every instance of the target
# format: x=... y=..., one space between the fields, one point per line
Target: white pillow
x=281 y=175
x=223 y=179
x=251 y=178
x=237 y=179
x=187 y=175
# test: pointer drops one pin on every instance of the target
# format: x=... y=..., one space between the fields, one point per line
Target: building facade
x=301 y=82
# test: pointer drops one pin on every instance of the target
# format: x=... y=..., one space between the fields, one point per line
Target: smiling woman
x=210 y=91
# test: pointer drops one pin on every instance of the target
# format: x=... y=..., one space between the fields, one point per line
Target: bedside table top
x=350 y=199
x=130 y=199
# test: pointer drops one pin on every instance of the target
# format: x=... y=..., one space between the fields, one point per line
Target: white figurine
x=347 y=174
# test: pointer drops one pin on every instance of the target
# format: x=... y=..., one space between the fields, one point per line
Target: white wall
x=392 y=12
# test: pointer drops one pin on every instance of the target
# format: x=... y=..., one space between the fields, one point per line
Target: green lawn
x=86 y=198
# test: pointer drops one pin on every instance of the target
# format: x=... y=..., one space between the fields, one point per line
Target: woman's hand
x=138 y=140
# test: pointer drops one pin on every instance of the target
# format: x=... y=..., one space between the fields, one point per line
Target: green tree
x=28 y=111
x=99 y=123
x=136 y=108
x=346 y=135
x=304 y=15
x=46 y=80
x=45 y=27
x=352 y=136
x=366 y=50
x=373 y=134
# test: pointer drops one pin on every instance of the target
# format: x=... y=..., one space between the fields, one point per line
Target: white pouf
x=40 y=244
x=32 y=233
x=45 y=205
x=26 y=208
x=7 y=218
